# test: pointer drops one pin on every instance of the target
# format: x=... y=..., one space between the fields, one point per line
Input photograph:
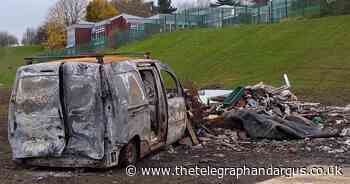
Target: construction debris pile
x=264 y=112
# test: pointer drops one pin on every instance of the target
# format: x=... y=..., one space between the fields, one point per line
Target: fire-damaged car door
x=36 y=127
x=176 y=105
x=84 y=109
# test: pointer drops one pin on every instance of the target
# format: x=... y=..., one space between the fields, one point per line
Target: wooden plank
x=192 y=133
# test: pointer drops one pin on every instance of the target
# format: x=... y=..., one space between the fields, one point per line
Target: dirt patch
x=4 y=95
x=4 y=99
x=251 y=153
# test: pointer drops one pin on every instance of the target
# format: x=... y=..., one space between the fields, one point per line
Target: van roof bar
x=99 y=57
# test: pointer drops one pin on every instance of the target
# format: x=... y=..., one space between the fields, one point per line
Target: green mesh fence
x=272 y=12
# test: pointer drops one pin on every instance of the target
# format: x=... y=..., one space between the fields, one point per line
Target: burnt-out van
x=94 y=111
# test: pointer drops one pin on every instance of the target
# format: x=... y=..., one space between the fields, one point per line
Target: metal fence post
x=272 y=13
x=259 y=14
x=303 y=7
x=185 y=21
x=222 y=18
x=164 y=25
x=286 y=4
x=246 y=14
x=175 y=21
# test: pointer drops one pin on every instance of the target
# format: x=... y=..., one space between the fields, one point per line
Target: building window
x=137 y=28
x=98 y=33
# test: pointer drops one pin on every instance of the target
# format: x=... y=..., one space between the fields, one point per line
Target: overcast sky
x=17 y=15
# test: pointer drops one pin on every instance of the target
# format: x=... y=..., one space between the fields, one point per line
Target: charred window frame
x=171 y=84
x=136 y=96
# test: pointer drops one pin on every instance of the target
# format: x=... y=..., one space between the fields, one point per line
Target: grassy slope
x=11 y=59
x=314 y=53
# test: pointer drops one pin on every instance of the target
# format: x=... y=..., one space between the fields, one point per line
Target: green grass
x=314 y=53
x=11 y=59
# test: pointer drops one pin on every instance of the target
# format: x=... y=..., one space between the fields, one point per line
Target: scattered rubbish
x=262 y=111
x=273 y=127
x=188 y=164
x=171 y=149
x=347 y=142
x=155 y=157
x=192 y=133
x=345 y=132
x=186 y=141
x=234 y=97
x=198 y=146
x=325 y=148
x=293 y=150
x=42 y=175
x=336 y=151
x=308 y=149
x=318 y=120
x=208 y=96
x=219 y=155
x=40 y=178
x=206 y=160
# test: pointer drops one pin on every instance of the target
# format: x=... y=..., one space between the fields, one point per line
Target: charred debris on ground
x=262 y=114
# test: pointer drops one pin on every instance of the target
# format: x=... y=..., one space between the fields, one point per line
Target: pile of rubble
x=264 y=112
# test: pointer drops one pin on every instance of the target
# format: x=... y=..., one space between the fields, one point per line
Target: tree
x=29 y=37
x=335 y=7
x=41 y=34
x=35 y=36
x=7 y=39
x=203 y=3
x=57 y=35
x=183 y=5
x=98 y=10
x=164 y=6
x=68 y=12
x=226 y=2
x=343 y=7
x=63 y=14
x=135 y=7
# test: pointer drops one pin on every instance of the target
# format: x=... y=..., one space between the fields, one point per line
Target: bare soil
x=262 y=153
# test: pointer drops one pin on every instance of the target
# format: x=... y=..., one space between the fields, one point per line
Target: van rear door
x=36 y=127
x=84 y=109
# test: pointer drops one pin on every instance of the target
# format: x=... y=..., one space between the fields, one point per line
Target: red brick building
x=102 y=33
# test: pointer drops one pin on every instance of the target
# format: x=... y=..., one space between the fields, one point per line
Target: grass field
x=314 y=53
x=11 y=59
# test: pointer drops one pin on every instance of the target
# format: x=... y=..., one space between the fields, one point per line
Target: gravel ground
x=262 y=153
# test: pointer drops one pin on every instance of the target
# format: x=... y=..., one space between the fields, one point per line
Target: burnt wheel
x=129 y=154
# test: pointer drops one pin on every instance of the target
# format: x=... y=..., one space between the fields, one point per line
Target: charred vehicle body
x=94 y=111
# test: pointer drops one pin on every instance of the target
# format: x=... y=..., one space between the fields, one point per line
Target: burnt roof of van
x=105 y=58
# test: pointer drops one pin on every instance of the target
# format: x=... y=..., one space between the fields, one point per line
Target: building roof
x=82 y=24
x=86 y=24
x=129 y=18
